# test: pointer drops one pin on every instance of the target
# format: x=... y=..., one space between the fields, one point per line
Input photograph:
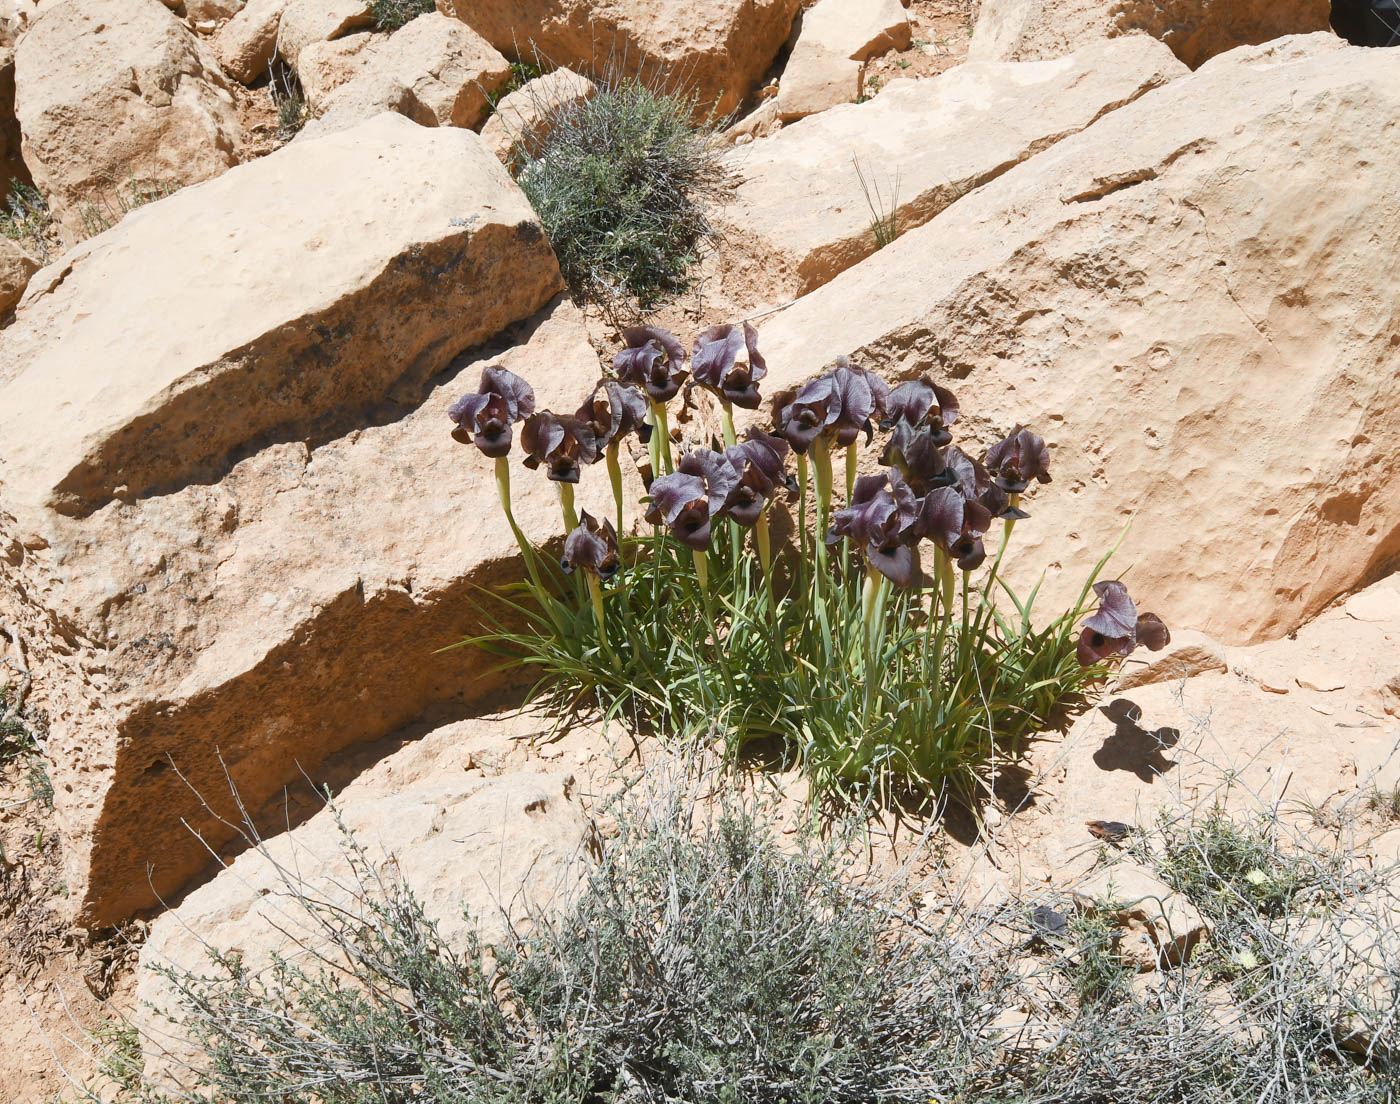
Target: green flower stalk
x=595 y=590
x=662 y=463
x=566 y=506
x=727 y=423
x=615 y=477
x=852 y=459
x=593 y=547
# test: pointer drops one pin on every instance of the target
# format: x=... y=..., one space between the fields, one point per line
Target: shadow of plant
x=1132 y=747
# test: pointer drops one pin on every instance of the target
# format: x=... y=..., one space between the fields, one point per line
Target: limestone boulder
x=1168 y=319
x=523 y=120
x=245 y=44
x=324 y=67
x=306 y=21
x=1159 y=927
x=837 y=37
x=447 y=68
x=717 y=48
x=212 y=11
x=112 y=95
x=472 y=847
x=801 y=214
x=266 y=531
x=1196 y=30
x=16 y=266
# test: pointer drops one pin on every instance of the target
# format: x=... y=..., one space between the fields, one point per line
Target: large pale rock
x=523 y=120
x=448 y=69
x=306 y=21
x=274 y=532
x=1168 y=320
x=1196 y=30
x=717 y=48
x=836 y=39
x=325 y=66
x=114 y=91
x=212 y=11
x=245 y=44
x=16 y=266
x=468 y=845
x=1160 y=927
x=800 y=215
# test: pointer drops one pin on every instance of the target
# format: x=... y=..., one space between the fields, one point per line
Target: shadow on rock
x=1132 y=747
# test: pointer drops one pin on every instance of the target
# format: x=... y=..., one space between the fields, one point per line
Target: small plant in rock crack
x=390 y=15
x=832 y=641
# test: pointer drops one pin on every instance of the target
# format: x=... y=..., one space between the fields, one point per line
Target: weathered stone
x=324 y=67
x=1375 y=604
x=800 y=216
x=522 y=121
x=717 y=48
x=306 y=21
x=1196 y=30
x=836 y=39
x=16 y=266
x=466 y=845
x=1160 y=927
x=1188 y=654
x=113 y=95
x=275 y=532
x=1138 y=300
x=448 y=69
x=212 y=11
x=245 y=44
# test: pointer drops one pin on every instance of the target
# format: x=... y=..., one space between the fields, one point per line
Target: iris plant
x=930 y=500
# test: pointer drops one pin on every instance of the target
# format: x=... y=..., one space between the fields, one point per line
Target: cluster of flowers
x=930 y=490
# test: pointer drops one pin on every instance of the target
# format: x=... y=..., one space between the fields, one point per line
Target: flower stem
x=527 y=553
x=595 y=589
x=821 y=466
x=802 y=481
x=663 y=432
x=615 y=475
x=730 y=437
x=702 y=577
x=566 y=505
x=851 y=459
x=765 y=554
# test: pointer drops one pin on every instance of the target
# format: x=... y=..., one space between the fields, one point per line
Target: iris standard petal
x=1117 y=614
x=1152 y=632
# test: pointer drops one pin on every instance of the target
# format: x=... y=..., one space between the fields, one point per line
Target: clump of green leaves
x=884 y=210
x=27 y=219
x=621 y=185
x=390 y=15
x=101 y=215
x=834 y=641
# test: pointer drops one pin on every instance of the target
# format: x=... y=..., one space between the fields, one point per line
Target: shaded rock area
x=244 y=571
x=1168 y=321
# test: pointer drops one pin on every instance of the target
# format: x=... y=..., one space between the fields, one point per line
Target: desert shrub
x=834 y=641
x=390 y=15
x=621 y=186
x=699 y=962
x=27 y=219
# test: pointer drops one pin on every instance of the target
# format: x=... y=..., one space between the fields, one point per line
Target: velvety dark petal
x=672 y=493
x=1152 y=632
x=593 y=547
x=998 y=504
x=745 y=502
x=465 y=409
x=977 y=519
x=1095 y=647
x=868 y=518
x=715 y=351
x=910 y=402
x=969 y=552
x=758 y=367
x=669 y=343
x=634 y=365
x=718 y=473
x=972 y=478
x=948 y=408
x=519 y=395
x=895 y=561
x=857 y=403
x=1117 y=615
x=1017 y=459
x=941 y=516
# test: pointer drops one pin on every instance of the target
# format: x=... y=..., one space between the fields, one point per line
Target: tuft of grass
x=292 y=114
x=390 y=15
x=622 y=185
x=884 y=212
x=102 y=215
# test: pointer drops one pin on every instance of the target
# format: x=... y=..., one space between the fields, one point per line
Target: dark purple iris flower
x=593 y=547
x=1018 y=459
x=715 y=363
x=613 y=411
x=653 y=360
x=956 y=524
x=485 y=418
x=864 y=395
x=914 y=451
x=760 y=463
x=688 y=501
x=922 y=402
x=884 y=519
x=1116 y=628
x=563 y=445
x=975 y=482
x=800 y=416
